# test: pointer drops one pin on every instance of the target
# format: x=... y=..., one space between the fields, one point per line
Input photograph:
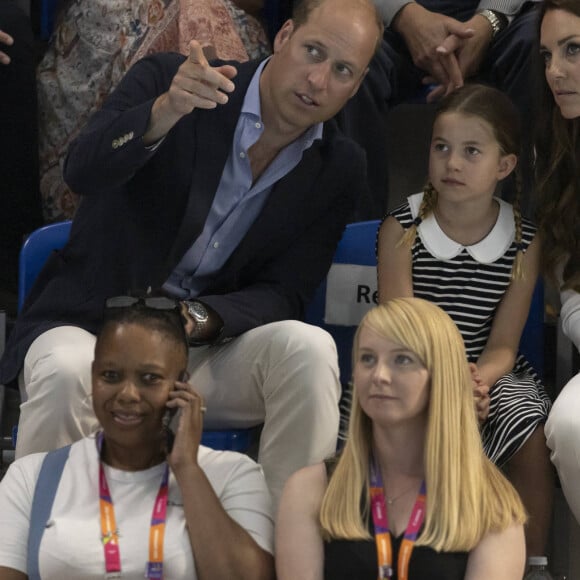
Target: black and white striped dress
x=469 y=283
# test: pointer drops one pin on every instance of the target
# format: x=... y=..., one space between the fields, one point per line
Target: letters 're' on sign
x=351 y=291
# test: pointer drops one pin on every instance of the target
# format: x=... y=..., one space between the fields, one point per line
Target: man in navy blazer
x=225 y=185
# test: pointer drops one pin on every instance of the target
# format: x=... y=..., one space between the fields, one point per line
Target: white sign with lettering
x=351 y=290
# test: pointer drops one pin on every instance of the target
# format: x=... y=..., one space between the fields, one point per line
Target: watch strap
x=497 y=20
x=206 y=331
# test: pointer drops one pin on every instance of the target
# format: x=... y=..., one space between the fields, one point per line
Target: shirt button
x=216 y=245
x=258 y=125
x=242 y=155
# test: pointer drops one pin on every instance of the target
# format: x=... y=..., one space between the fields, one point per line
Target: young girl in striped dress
x=473 y=254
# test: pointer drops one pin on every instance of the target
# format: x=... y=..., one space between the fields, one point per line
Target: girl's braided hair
x=497 y=110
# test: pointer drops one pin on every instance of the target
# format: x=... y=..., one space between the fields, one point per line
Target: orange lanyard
x=110 y=532
x=382 y=532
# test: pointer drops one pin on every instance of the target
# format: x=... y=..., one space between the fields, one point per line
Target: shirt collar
x=252 y=106
x=488 y=250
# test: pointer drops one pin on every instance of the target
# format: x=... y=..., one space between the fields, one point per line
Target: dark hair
x=557 y=172
x=302 y=9
x=498 y=111
x=168 y=322
x=490 y=105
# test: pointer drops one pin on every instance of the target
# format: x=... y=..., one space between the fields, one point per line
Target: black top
x=357 y=560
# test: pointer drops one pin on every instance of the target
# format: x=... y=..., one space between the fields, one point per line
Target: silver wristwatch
x=497 y=24
x=208 y=323
x=199 y=313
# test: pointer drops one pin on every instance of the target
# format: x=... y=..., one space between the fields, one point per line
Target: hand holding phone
x=188 y=425
x=168 y=417
x=167 y=429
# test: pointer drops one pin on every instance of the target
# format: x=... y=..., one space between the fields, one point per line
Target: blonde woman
x=412 y=496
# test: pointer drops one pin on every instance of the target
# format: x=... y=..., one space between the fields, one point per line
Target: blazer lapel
x=213 y=132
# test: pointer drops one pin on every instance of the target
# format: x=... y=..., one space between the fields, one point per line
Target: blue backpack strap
x=44 y=492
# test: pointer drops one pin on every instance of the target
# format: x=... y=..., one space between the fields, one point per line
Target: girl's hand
x=480 y=394
x=189 y=404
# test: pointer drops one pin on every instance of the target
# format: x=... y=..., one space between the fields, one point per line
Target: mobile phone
x=169 y=416
x=167 y=429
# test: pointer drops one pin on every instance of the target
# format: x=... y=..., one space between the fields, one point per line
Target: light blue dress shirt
x=238 y=201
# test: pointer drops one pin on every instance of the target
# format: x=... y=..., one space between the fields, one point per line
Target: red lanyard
x=110 y=532
x=383 y=533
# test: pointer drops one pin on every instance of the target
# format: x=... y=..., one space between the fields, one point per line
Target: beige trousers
x=283 y=374
x=563 y=438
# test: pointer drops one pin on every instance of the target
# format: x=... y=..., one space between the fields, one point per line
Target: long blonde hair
x=467 y=496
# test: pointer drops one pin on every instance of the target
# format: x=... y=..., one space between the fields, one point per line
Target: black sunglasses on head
x=155 y=302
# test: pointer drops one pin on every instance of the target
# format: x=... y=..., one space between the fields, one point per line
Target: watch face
x=197 y=311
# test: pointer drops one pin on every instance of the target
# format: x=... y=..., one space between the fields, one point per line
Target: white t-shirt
x=71 y=546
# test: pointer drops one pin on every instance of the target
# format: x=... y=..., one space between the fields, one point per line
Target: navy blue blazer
x=141 y=210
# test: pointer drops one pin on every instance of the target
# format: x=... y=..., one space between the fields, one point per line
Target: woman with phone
x=134 y=498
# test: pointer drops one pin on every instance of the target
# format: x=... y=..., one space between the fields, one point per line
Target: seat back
x=34 y=253
x=48 y=14
x=350 y=290
x=533 y=335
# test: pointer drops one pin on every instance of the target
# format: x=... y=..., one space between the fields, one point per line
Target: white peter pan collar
x=488 y=250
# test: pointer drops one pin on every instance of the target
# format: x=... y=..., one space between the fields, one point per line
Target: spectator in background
x=93 y=45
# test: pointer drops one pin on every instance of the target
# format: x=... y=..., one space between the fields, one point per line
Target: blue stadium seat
x=34 y=253
x=358 y=291
x=356 y=247
x=47 y=18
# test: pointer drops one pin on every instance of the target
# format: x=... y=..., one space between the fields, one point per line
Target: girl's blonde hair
x=497 y=110
x=467 y=496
